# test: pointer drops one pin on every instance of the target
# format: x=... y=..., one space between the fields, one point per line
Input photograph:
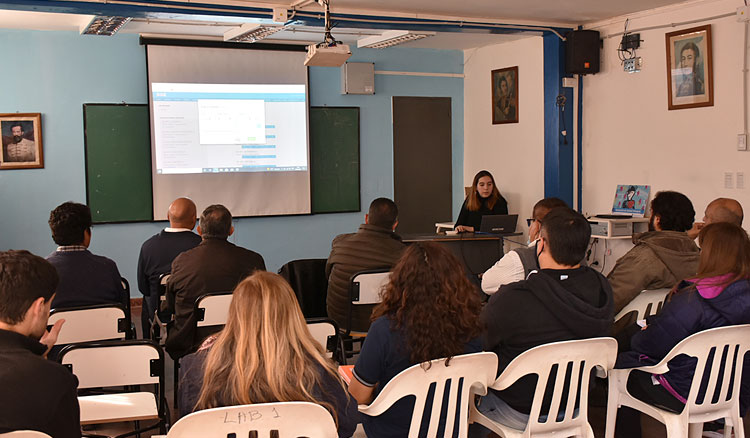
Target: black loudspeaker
x=582 y=52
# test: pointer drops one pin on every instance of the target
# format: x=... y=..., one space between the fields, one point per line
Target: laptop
x=499 y=223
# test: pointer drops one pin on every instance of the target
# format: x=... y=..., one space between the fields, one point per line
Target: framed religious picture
x=505 y=95
x=690 y=75
x=22 y=141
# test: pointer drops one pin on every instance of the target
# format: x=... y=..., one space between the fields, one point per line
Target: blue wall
x=54 y=73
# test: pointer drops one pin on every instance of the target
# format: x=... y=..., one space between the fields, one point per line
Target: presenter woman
x=483 y=199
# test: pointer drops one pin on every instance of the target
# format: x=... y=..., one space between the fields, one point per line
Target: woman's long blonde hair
x=265 y=352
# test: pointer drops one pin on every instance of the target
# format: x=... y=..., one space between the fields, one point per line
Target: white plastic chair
x=326 y=333
x=24 y=434
x=213 y=309
x=476 y=371
x=289 y=419
x=647 y=303
x=90 y=323
x=582 y=356
x=736 y=341
x=118 y=364
x=365 y=288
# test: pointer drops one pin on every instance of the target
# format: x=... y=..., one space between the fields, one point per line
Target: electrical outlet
x=742 y=14
x=633 y=65
x=728 y=180
x=741 y=142
x=740 y=181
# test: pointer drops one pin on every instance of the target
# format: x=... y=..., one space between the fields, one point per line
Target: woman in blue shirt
x=429 y=310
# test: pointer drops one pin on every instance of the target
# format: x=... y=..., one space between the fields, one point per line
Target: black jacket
x=215 y=265
x=37 y=394
x=474 y=218
x=550 y=306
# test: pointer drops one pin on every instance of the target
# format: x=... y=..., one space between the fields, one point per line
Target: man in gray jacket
x=661 y=257
x=374 y=246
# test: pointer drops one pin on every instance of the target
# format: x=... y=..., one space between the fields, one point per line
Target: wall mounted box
x=358 y=78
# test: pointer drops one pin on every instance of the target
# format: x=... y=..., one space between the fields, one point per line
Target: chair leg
x=695 y=430
x=676 y=428
x=739 y=428
x=611 y=419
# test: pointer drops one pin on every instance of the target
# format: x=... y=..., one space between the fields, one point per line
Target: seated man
x=215 y=265
x=374 y=246
x=38 y=394
x=661 y=257
x=518 y=263
x=719 y=210
x=85 y=278
x=561 y=302
x=158 y=252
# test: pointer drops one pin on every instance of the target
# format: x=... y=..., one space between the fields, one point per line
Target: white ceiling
x=539 y=12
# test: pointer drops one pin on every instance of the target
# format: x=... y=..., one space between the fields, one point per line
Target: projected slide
x=210 y=128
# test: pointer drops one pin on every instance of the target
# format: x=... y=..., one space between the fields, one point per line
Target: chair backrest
x=212 y=309
x=24 y=434
x=720 y=353
x=91 y=323
x=570 y=364
x=308 y=279
x=326 y=333
x=647 y=303
x=115 y=363
x=288 y=419
x=365 y=286
x=471 y=372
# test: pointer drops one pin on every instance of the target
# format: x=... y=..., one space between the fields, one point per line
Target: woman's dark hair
x=432 y=302
x=475 y=202
x=725 y=249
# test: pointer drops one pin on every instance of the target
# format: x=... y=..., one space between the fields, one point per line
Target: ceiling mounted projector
x=392 y=38
x=327 y=56
x=329 y=53
x=251 y=32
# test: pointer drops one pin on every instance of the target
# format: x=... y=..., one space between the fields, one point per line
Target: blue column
x=558 y=149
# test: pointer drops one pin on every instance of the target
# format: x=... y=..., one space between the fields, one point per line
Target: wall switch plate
x=633 y=65
x=743 y=13
x=741 y=142
x=570 y=82
x=728 y=180
x=740 y=181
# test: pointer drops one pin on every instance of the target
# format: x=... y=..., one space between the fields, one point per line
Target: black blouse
x=474 y=218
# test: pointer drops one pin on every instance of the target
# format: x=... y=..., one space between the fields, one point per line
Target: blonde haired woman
x=264 y=354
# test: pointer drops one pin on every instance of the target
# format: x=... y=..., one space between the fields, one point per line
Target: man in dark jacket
x=37 y=394
x=561 y=302
x=159 y=251
x=374 y=246
x=661 y=257
x=216 y=265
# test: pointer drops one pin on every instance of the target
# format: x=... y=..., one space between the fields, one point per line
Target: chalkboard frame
x=359 y=159
x=86 y=160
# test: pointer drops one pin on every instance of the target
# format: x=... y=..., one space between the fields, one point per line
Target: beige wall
x=514 y=152
x=630 y=137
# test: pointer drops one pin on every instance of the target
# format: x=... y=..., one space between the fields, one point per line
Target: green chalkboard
x=118 y=162
x=334 y=159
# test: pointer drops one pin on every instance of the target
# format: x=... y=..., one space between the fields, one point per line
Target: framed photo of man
x=505 y=95
x=21 y=141
x=690 y=75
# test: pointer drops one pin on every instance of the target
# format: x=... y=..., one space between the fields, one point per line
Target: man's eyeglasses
x=529 y=222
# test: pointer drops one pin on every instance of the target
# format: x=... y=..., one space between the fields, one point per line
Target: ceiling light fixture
x=251 y=32
x=104 y=25
x=392 y=38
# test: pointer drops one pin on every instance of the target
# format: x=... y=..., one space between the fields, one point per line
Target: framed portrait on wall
x=21 y=141
x=690 y=75
x=505 y=95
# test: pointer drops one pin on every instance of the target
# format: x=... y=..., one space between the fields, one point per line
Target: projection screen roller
x=229 y=126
